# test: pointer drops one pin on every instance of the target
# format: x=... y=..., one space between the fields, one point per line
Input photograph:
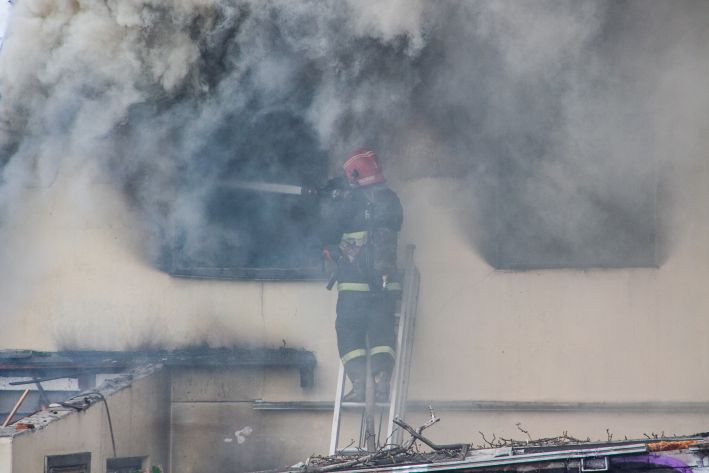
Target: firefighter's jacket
x=360 y=231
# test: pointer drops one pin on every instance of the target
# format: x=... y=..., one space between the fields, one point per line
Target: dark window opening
x=73 y=463
x=536 y=223
x=124 y=465
x=249 y=233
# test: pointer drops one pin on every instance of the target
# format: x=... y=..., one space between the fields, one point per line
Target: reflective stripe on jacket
x=363 y=286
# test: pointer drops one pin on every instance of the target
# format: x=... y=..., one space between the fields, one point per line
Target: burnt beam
x=85 y=364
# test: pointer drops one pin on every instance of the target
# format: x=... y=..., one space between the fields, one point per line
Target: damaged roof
x=58 y=383
x=77 y=402
x=75 y=362
x=681 y=454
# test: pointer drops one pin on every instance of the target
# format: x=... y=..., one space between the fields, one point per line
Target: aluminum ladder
x=406 y=322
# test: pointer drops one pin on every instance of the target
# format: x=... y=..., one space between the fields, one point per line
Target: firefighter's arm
x=331 y=224
x=389 y=212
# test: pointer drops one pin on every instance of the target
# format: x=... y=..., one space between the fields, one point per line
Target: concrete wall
x=216 y=429
x=5 y=455
x=625 y=335
x=598 y=336
x=140 y=417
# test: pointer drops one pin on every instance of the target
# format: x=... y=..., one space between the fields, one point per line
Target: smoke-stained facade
x=563 y=136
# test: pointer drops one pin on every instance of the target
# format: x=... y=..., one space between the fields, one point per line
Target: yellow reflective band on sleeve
x=363 y=286
x=382 y=349
x=353 y=354
x=355 y=238
x=353 y=286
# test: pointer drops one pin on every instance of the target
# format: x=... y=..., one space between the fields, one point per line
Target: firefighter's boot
x=358 y=390
x=381 y=386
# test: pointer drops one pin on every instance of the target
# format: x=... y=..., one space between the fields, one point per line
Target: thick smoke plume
x=134 y=113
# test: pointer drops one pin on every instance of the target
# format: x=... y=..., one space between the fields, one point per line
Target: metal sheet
x=486 y=462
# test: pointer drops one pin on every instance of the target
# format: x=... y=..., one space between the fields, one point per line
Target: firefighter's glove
x=333 y=258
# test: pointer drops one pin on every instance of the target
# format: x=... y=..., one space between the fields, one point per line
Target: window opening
x=124 y=465
x=72 y=463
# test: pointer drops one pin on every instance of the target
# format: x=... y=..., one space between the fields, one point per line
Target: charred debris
x=73 y=379
x=560 y=454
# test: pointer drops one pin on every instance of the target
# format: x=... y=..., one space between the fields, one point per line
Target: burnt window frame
x=291 y=155
x=178 y=266
x=123 y=464
x=62 y=463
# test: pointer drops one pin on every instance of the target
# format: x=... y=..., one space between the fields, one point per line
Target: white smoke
x=4 y=16
x=79 y=198
x=119 y=117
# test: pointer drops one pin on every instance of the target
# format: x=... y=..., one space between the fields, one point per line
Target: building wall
x=140 y=418
x=5 y=455
x=621 y=335
x=216 y=429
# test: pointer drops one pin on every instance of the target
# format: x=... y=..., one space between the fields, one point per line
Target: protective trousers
x=362 y=315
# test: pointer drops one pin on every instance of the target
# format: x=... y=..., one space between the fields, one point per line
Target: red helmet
x=363 y=169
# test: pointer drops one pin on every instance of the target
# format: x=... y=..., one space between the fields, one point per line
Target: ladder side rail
x=337 y=411
x=398 y=406
x=369 y=433
x=396 y=380
x=410 y=298
x=408 y=355
x=396 y=375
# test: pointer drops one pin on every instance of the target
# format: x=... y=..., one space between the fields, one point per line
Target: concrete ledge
x=508 y=406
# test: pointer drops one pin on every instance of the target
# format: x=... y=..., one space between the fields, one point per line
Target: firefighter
x=360 y=235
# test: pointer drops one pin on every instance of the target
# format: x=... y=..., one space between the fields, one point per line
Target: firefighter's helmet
x=363 y=169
